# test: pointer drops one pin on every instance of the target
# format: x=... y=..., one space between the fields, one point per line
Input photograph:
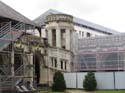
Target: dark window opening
x=52 y=61
x=54 y=37
x=36 y=62
x=61 y=64
x=55 y=63
x=63 y=38
x=88 y=34
x=82 y=34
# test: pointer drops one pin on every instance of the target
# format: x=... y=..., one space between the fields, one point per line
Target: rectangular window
x=55 y=60
x=61 y=64
x=82 y=34
x=52 y=61
x=54 y=37
x=63 y=38
x=88 y=34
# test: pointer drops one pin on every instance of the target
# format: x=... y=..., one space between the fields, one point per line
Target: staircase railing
x=5 y=29
x=18 y=75
x=10 y=34
x=9 y=78
x=19 y=71
x=18 y=26
x=5 y=69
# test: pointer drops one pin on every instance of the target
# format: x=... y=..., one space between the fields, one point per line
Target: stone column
x=31 y=63
x=58 y=59
x=72 y=35
x=49 y=32
x=31 y=69
x=64 y=65
x=58 y=38
x=12 y=63
x=31 y=58
x=68 y=39
x=68 y=65
x=58 y=64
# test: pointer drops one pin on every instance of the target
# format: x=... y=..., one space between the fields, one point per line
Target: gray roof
x=8 y=12
x=41 y=21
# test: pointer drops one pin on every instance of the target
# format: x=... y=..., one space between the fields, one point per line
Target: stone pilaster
x=49 y=32
x=63 y=64
x=12 y=63
x=58 y=38
x=67 y=39
x=31 y=62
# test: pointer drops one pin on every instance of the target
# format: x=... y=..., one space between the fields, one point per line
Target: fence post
x=114 y=80
x=76 y=81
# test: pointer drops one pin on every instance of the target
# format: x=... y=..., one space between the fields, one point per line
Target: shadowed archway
x=36 y=62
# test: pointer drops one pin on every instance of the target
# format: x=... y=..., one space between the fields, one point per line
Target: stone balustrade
x=59 y=17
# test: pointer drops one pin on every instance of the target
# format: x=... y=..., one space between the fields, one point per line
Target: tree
x=89 y=82
x=58 y=82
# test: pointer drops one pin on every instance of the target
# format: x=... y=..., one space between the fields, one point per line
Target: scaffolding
x=105 y=53
x=16 y=66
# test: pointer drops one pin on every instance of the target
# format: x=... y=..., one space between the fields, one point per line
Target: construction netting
x=100 y=53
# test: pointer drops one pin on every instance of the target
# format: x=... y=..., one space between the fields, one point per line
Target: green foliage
x=58 y=82
x=89 y=82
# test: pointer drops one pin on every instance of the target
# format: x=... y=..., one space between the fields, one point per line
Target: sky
x=108 y=13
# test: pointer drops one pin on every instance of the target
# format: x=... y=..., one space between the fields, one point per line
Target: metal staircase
x=5 y=29
x=8 y=34
x=9 y=82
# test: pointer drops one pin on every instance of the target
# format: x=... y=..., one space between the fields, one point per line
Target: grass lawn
x=57 y=92
x=103 y=91
x=111 y=91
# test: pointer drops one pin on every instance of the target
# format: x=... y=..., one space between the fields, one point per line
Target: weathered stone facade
x=59 y=51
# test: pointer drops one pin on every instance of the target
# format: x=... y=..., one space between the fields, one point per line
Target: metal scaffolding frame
x=106 y=53
x=9 y=36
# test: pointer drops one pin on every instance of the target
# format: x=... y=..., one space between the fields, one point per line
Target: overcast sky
x=109 y=13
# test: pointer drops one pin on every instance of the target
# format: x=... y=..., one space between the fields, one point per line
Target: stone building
x=82 y=27
x=62 y=32
x=33 y=51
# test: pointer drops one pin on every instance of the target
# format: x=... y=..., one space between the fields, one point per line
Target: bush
x=58 y=82
x=89 y=82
